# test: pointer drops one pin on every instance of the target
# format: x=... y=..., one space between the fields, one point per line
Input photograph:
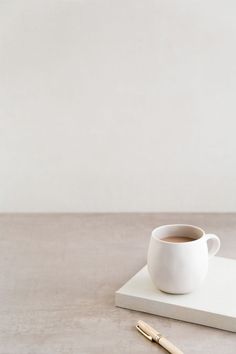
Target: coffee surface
x=177 y=239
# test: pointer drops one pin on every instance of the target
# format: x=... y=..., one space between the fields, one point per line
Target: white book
x=213 y=304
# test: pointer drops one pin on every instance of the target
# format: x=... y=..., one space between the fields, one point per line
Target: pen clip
x=143 y=333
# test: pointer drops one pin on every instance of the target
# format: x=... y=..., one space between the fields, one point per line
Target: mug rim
x=180 y=243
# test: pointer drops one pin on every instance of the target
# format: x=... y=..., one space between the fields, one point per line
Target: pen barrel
x=171 y=348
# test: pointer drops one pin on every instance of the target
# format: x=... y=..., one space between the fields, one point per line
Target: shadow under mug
x=180 y=267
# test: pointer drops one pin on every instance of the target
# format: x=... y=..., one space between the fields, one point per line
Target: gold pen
x=151 y=334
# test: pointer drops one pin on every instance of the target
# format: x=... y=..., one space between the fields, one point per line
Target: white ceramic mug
x=179 y=268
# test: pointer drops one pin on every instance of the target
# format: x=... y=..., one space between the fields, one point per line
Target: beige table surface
x=58 y=275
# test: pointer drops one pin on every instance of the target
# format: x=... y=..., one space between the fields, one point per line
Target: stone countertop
x=59 y=273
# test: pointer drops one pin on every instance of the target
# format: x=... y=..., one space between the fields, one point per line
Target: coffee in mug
x=177 y=239
x=178 y=257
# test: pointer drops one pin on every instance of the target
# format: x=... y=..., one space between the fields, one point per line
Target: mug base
x=177 y=293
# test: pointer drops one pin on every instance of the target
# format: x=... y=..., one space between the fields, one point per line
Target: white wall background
x=117 y=105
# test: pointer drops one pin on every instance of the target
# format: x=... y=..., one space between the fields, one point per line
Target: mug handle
x=215 y=246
